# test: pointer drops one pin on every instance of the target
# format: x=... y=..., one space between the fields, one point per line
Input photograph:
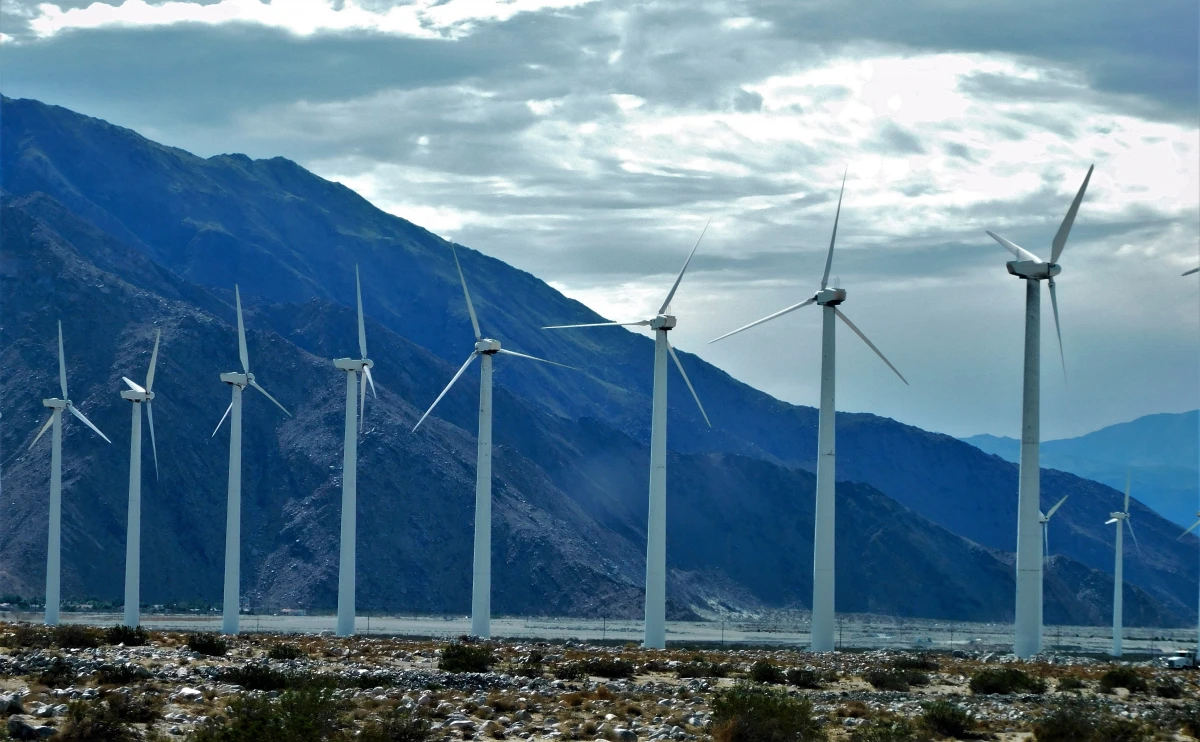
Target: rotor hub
x=1118 y=516
x=830 y=297
x=236 y=379
x=135 y=396
x=663 y=322
x=352 y=364
x=1032 y=270
x=487 y=346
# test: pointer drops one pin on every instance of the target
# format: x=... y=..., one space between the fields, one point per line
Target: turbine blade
x=1190 y=528
x=362 y=400
x=1129 y=523
x=62 y=363
x=241 y=332
x=1128 y=481
x=129 y=383
x=1057 y=505
x=49 y=422
x=780 y=313
x=153 y=443
x=1058 y=328
x=75 y=411
x=439 y=397
x=153 y=361
x=362 y=329
x=1060 y=239
x=871 y=345
x=683 y=270
x=1046 y=539
x=1110 y=521
x=1193 y=270
x=535 y=358
x=688 y=381
x=467 y=294
x=267 y=394
x=1020 y=252
x=370 y=380
x=644 y=322
x=837 y=215
x=227 y=410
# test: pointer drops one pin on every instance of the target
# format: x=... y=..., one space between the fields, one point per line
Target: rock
x=621 y=734
x=20 y=728
x=189 y=695
x=462 y=725
x=11 y=704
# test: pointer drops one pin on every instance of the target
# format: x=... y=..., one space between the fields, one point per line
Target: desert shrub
x=893 y=729
x=1123 y=677
x=766 y=672
x=753 y=713
x=1188 y=719
x=466 y=656
x=261 y=676
x=75 y=636
x=285 y=651
x=28 y=635
x=916 y=662
x=1119 y=729
x=116 y=674
x=129 y=636
x=702 y=669
x=1076 y=722
x=609 y=667
x=948 y=719
x=295 y=716
x=1169 y=689
x=57 y=675
x=1005 y=680
x=207 y=644
x=896 y=680
x=526 y=670
x=135 y=709
x=401 y=725
x=1071 y=682
x=571 y=671
x=92 y=721
x=802 y=677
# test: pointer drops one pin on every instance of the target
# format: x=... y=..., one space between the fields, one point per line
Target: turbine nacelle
x=1113 y=517
x=353 y=364
x=134 y=396
x=830 y=297
x=1033 y=270
x=487 y=346
x=236 y=379
x=57 y=404
x=663 y=322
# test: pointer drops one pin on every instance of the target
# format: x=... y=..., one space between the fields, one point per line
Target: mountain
x=99 y=222
x=1160 y=452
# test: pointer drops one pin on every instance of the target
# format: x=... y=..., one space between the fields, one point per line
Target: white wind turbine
x=1027 y=640
x=138 y=396
x=656 y=526
x=346 y=563
x=823 y=536
x=1119 y=570
x=1044 y=519
x=233 y=516
x=485 y=348
x=54 y=542
x=1197 y=523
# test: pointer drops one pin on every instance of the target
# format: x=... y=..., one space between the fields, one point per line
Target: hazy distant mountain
x=117 y=234
x=1160 y=451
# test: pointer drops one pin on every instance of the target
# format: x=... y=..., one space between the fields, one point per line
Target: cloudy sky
x=588 y=142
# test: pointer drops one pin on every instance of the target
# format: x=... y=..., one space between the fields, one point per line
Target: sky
x=589 y=142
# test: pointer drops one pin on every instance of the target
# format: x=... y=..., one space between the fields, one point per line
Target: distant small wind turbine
x=823 y=624
x=1044 y=519
x=54 y=543
x=1119 y=570
x=138 y=396
x=1027 y=639
x=346 y=563
x=485 y=348
x=230 y=617
x=1191 y=528
x=656 y=527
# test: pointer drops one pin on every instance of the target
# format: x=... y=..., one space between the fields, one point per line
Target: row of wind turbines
x=1031 y=529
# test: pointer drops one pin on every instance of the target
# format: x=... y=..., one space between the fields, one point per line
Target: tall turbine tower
x=481 y=577
x=1027 y=639
x=54 y=542
x=353 y=367
x=1119 y=571
x=233 y=516
x=823 y=537
x=1197 y=523
x=138 y=396
x=656 y=526
x=1044 y=519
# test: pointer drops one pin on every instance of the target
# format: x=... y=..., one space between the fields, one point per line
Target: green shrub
x=401 y=725
x=130 y=637
x=703 y=669
x=285 y=651
x=296 y=716
x=116 y=674
x=895 y=680
x=1005 y=680
x=1188 y=719
x=1125 y=677
x=802 y=677
x=608 y=667
x=889 y=730
x=1169 y=689
x=465 y=656
x=75 y=636
x=261 y=676
x=1071 y=682
x=207 y=644
x=766 y=672
x=29 y=635
x=753 y=713
x=135 y=709
x=92 y=721
x=1076 y=722
x=571 y=671
x=916 y=662
x=57 y=675
x=1119 y=729
x=948 y=719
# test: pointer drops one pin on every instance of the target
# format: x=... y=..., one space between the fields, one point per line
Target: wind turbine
x=1119 y=570
x=138 y=396
x=1189 y=530
x=823 y=537
x=1027 y=640
x=656 y=527
x=54 y=542
x=346 y=569
x=485 y=348
x=1044 y=519
x=233 y=516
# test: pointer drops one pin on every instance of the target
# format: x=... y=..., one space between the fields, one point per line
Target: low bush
x=207 y=644
x=1076 y=722
x=753 y=713
x=1123 y=677
x=948 y=719
x=295 y=716
x=26 y=635
x=609 y=667
x=703 y=669
x=75 y=636
x=116 y=674
x=1005 y=680
x=766 y=672
x=129 y=636
x=59 y=674
x=285 y=651
x=135 y=709
x=1071 y=682
x=466 y=656
x=570 y=671
x=889 y=730
x=401 y=725
x=916 y=662
x=92 y=721
x=802 y=677
x=894 y=680
x=1169 y=689
x=1188 y=719
x=261 y=676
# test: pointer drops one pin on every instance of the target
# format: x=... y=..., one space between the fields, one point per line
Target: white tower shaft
x=54 y=542
x=346 y=561
x=233 y=519
x=1027 y=639
x=823 y=535
x=133 y=533
x=481 y=583
x=656 y=524
x=1118 y=591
